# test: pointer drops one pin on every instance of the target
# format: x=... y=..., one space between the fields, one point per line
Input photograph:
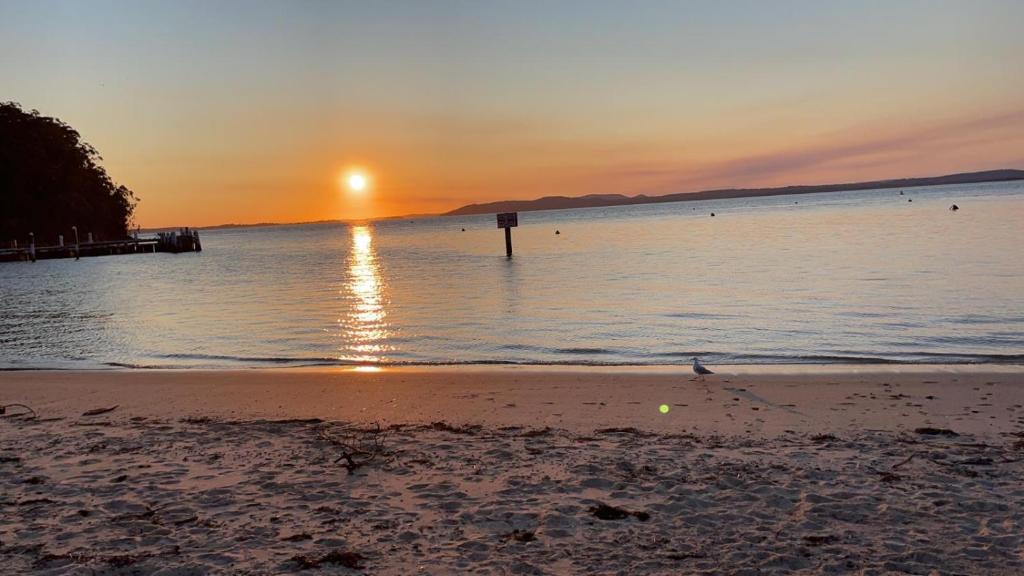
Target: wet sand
x=758 y=470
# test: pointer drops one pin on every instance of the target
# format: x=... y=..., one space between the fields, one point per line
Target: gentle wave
x=753 y=360
x=584 y=351
x=258 y=359
x=711 y=358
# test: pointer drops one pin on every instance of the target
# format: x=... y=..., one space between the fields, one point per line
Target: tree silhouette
x=50 y=180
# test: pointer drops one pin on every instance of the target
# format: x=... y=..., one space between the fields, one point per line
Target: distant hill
x=595 y=200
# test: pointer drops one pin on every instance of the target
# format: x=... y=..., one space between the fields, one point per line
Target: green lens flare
x=663 y=408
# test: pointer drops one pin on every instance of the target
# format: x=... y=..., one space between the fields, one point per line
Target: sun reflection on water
x=365 y=326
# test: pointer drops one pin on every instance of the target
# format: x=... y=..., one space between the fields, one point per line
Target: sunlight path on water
x=364 y=323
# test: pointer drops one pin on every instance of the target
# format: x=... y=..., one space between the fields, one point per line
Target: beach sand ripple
x=207 y=496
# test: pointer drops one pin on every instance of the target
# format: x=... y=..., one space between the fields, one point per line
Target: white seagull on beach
x=699 y=370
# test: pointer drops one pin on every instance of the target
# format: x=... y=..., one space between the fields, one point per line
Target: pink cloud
x=905 y=152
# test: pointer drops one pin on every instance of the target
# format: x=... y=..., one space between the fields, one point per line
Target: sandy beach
x=866 y=470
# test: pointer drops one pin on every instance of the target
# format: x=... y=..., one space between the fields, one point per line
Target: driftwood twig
x=358 y=447
x=27 y=410
x=98 y=411
x=902 y=462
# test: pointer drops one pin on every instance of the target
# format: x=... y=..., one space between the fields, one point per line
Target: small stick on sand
x=98 y=411
x=4 y=407
x=355 y=453
x=909 y=458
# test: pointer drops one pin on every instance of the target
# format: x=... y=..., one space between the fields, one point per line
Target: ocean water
x=861 y=276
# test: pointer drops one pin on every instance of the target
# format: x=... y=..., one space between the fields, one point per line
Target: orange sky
x=250 y=112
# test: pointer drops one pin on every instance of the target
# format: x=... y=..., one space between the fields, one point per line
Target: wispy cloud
x=859 y=155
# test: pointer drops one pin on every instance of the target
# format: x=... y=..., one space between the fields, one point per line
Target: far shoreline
x=471 y=210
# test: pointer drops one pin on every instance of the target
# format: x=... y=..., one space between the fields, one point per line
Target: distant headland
x=598 y=200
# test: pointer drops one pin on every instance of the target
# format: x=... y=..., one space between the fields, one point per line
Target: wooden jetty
x=175 y=241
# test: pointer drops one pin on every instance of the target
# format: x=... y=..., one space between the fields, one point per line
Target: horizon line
x=635 y=196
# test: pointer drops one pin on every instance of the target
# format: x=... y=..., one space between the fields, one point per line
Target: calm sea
x=824 y=278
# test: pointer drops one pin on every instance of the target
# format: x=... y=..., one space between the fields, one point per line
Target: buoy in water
x=954 y=208
x=712 y=214
x=557 y=232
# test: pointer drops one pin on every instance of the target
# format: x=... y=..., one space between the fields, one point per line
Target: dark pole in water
x=508 y=220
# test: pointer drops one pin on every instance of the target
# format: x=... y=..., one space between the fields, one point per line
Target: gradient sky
x=216 y=112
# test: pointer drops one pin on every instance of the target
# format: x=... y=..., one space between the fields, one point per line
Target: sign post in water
x=508 y=221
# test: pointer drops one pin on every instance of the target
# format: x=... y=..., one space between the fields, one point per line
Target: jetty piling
x=182 y=240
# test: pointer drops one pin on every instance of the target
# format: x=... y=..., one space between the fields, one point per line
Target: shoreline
x=762 y=400
x=754 y=368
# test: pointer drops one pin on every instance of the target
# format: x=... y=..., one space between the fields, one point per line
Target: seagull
x=699 y=370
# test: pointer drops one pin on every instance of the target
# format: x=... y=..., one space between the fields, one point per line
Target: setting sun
x=356 y=181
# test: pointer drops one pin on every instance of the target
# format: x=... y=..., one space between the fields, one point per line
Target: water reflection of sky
x=364 y=324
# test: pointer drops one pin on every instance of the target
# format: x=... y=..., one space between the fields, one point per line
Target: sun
x=357 y=182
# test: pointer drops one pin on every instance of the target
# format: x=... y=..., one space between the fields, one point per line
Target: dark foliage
x=50 y=180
